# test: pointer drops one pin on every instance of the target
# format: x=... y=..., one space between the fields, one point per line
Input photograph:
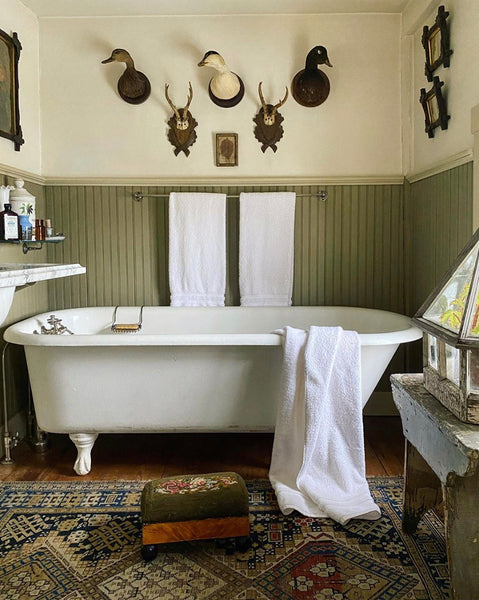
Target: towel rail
x=321 y=195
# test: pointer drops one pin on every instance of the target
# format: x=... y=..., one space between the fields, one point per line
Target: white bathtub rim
x=246 y=339
x=16 y=333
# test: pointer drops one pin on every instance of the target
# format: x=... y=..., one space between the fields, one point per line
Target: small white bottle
x=48 y=228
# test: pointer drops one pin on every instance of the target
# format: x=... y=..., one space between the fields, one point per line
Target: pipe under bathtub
x=8 y=441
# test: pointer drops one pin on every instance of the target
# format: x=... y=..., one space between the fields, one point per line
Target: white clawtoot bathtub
x=187 y=369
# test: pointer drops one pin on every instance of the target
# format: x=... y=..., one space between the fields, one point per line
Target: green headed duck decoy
x=310 y=86
x=133 y=86
x=226 y=89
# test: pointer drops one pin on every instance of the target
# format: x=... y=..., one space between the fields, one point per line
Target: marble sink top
x=16 y=274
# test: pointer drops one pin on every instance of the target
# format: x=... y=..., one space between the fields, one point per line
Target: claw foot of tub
x=84 y=443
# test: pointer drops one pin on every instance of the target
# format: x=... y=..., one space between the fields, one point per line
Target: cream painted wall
x=16 y=17
x=461 y=86
x=88 y=131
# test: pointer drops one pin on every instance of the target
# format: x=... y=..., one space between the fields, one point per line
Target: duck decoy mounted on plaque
x=182 y=124
x=226 y=89
x=268 y=130
x=133 y=86
x=310 y=86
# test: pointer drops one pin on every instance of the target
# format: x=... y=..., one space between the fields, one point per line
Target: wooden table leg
x=422 y=488
x=462 y=535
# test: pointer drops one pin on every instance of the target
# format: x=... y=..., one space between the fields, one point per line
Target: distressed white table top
x=448 y=445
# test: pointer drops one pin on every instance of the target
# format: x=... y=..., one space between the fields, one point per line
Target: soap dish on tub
x=126 y=327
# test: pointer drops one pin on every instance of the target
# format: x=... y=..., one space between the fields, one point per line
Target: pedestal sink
x=14 y=275
x=6 y=299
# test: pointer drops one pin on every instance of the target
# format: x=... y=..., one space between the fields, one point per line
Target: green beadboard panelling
x=439 y=224
x=348 y=250
x=381 y=246
x=439 y=212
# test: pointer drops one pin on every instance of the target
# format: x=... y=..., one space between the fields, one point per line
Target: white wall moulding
x=461 y=158
x=26 y=175
x=235 y=181
x=126 y=8
x=196 y=181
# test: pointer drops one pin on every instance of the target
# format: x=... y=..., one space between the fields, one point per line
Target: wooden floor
x=151 y=456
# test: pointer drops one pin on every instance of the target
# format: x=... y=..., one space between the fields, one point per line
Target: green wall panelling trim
x=381 y=246
x=348 y=250
x=439 y=219
x=439 y=212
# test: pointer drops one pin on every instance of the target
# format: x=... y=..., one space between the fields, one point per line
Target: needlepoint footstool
x=195 y=507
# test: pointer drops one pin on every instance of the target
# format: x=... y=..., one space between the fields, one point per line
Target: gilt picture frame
x=10 y=128
x=226 y=150
x=435 y=107
x=435 y=41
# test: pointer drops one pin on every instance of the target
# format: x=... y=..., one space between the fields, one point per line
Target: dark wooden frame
x=434 y=106
x=435 y=41
x=219 y=162
x=14 y=47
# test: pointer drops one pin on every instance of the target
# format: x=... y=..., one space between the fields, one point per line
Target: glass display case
x=449 y=319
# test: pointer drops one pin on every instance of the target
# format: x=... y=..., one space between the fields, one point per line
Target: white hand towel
x=318 y=462
x=197 y=249
x=266 y=248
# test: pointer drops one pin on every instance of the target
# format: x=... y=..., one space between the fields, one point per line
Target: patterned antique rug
x=81 y=541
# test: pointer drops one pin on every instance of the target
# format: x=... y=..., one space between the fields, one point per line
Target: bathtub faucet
x=57 y=328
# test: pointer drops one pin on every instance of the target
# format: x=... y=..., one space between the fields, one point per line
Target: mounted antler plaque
x=182 y=124
x=268 y=130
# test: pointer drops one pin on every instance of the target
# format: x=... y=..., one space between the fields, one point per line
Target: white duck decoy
x=226 y=88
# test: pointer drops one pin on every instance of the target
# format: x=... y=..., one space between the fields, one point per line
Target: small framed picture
x=434 y=106
x=435 y=41
x=10 y=48
x=226 y=150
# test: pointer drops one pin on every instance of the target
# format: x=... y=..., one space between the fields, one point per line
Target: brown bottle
x=39 y=229
x=9 y=224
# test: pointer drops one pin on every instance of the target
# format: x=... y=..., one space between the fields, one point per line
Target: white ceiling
x=99 y=8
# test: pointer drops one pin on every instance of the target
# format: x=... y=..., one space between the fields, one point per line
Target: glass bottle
x=39 y=230
x=9 y=224
x=42 y=230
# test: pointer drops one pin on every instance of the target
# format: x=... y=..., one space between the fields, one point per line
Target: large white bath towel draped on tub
x=266 y=248
x=197 y=249
x=318 y=462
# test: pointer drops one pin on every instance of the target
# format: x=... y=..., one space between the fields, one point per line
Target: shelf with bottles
x=35 y=244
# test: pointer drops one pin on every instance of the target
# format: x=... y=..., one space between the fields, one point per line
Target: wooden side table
x=441 y=462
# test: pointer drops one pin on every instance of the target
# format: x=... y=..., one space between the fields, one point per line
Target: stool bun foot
x=149 y=552
x=226 y=544
x=243 y=543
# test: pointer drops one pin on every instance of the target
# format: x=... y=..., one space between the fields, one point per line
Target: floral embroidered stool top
x=194 y=497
